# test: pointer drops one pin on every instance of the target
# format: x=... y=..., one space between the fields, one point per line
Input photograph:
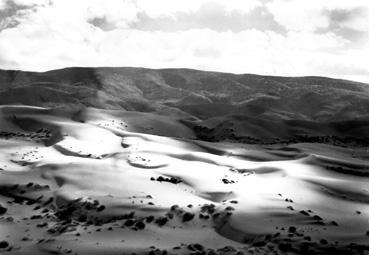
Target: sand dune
x=114 y=182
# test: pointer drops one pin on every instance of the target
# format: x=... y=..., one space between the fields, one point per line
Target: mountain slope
x=295 y=106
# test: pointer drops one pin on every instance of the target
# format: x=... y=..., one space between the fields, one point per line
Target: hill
x=228 y=106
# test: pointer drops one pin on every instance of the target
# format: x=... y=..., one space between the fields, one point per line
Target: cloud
x=160 y=8
x=355 y=18
x=211 y=16
x=265 y=37
x=2 y=4
x=303 y=15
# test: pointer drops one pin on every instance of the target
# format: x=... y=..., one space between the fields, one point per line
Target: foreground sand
x=95 y=182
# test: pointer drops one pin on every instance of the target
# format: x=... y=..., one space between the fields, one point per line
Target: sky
x=271 y=37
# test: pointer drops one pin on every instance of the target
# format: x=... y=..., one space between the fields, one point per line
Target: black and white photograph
x=175 y=127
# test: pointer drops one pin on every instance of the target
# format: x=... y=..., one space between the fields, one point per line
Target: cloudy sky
x=276 y=37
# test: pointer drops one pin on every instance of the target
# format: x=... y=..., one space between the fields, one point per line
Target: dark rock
x=161 y=221
x=4 y=244
x=304 y=213
x=174 y=207
x=285 y=247
x=129 y=223
x=140 y=225
x=149 y=219
x=41 y=225
x=82 y=218
x=101 y=208
x=259 y=244
x=292 y=229
x=317 y=217
x=323 y=241
x=187 y=217
x=227 y=249
x=203 y=216
x=169 y=215
x=3 y=210
x=35 y=217
x=198 y=247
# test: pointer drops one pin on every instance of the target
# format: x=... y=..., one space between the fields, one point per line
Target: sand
x=109 y=182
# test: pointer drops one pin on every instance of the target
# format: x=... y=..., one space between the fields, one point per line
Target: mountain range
x=217 y=106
